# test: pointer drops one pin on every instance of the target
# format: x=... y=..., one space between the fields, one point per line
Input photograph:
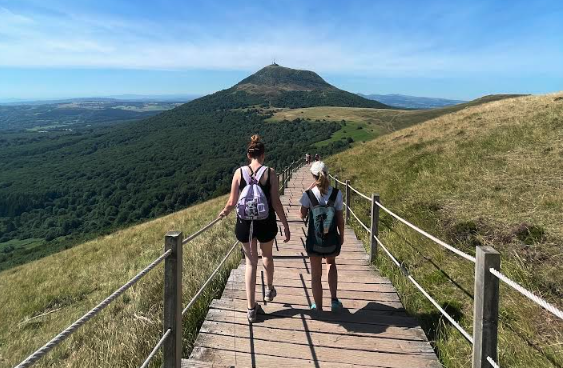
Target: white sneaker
x=252 y=313
x=270 y=294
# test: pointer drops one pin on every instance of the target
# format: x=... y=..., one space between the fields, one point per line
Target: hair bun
x=255 y=138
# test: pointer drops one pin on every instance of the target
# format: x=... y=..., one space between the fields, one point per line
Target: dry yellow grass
x=489 y=174
x=41 y=298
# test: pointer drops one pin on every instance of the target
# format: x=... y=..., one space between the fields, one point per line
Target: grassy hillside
x=364 y=124
x=41 y=298
x=488 y=174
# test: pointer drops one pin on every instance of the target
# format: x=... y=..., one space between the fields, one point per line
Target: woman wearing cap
x=323 y=193
x=263 y=231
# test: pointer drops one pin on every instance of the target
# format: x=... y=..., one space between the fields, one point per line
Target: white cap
x=317 y=167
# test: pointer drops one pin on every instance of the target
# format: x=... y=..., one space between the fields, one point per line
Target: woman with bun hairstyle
x=263 y=231
x=320 y=193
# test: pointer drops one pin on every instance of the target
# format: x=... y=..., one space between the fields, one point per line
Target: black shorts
x=263 y=230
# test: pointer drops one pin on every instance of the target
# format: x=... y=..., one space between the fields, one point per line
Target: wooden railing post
x=172 y=347
x=335 y=182
x=282 y=182
x=374 y=230
x=347 y=217
x=486 y=305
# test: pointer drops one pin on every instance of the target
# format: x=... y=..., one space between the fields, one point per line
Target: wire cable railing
x=412 y=226
x=492 y=362
x=429 y=236
x=528 y=294
x=359 y=193
x=209 y=279
x=359 y=221
x=336 y=179
x=407 y=274
x=200 y=231
x=86 y=317
x=156 y=348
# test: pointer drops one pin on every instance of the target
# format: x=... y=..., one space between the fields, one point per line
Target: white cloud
x=76 y=40
x=7 y=17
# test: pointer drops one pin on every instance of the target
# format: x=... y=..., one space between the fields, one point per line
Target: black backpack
x=322 y=234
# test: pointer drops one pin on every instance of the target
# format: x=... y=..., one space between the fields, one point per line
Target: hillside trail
x=373 y=329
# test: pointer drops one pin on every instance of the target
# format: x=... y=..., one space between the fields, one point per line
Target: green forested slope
x=65 y=187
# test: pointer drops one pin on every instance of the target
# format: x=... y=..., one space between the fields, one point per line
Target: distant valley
x=69 y=115
x=412 y=102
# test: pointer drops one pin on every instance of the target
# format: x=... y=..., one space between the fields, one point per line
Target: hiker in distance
x=254 y=193
x=323 y=206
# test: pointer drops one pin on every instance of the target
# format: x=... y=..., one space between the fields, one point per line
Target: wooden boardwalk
x=373 y=330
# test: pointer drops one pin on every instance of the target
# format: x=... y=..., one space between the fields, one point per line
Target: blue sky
x=452 y=49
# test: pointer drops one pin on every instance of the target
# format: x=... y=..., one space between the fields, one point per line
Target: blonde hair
x=322 y=182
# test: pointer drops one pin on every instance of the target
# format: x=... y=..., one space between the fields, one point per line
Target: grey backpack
x=252 y=203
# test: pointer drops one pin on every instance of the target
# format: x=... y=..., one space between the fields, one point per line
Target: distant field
x=51 y=117
x=20 y=247
x=364 y=124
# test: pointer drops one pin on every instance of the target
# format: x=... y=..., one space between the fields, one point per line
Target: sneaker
x=314 y=308
x=335 y=305
x=270 y=294
x=252 y=313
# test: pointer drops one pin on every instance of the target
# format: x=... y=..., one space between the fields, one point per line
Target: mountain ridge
x=278 y=86
x=275 y=79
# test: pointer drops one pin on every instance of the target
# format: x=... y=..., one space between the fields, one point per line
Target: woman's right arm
x=233 y=197
x=276 y=203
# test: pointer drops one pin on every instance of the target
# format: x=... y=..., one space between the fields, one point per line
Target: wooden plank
x=309 y=351
x=351 y=342
x=202 y=357
x=343 y=286
x=319 y=325
x=302 y=302
x=296 y=262
x=343 y=278
x=343 y=274
x=360 y=316
x=306 y=293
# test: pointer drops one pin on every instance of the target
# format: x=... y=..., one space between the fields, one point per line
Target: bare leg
x=268 y=262
x=251 y=255
x=332 y=276
x=316 y=274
